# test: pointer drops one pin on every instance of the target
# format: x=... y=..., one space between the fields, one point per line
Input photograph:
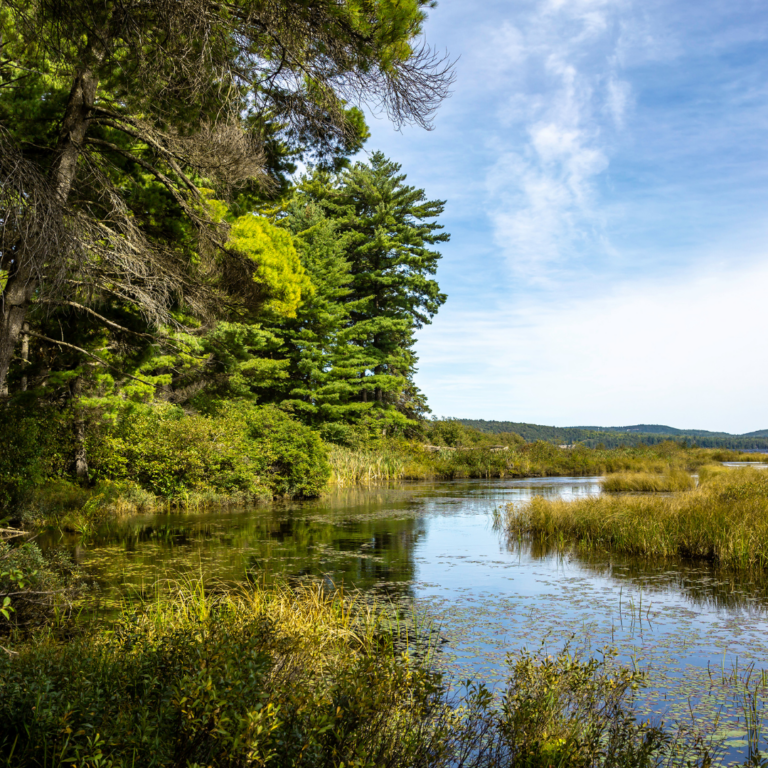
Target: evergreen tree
x=391 y=227
x=323 y=375
x=114 y=116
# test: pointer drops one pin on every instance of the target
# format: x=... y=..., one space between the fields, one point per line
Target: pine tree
x=391 y=227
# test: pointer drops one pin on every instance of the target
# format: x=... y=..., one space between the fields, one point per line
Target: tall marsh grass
x=355 y=467
x=389 y=460
x=724 y=520
x=646 y=482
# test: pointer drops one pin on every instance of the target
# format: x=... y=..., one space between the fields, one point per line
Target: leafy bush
x=24 y=459
x=238 y=451
x=32 y=586
x=284 y=678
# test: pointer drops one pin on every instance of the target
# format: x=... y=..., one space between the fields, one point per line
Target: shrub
x=287 y=678
x=291 y=456
x=26 y=437
x=239 y=451
x=32 y=586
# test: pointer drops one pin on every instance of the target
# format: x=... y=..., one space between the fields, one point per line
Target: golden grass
x=646 y=482
x=724 y=520
x=359 y=467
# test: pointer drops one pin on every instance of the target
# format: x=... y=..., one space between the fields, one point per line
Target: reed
x=646 y=482
x=361 y=467
x=397 y=459
x=724 y=520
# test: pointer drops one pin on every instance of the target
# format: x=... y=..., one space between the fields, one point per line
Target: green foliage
x=280 y=678
x=292 y=456
x=289 y=677
x=29 y=453
x=33 y=589
x=241 y=451
x=366 y=240
x=565 y=710
x=278 y=267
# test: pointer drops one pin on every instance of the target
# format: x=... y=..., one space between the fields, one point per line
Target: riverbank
x=403 y=460
x=724 y=520
x=284 y=463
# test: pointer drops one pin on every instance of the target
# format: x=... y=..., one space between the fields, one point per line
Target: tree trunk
x=23 y=278
x=81 y=456
x=24 y=354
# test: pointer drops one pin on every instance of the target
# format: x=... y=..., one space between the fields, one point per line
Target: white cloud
x=679 y=352
x=541 y=196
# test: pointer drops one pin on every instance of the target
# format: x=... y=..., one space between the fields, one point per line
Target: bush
x=240 y=451
x=291 y=456
x=24 y=458
x=32 y=586
x=282 y=679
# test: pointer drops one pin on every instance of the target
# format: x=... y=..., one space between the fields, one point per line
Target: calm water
x=432 y=546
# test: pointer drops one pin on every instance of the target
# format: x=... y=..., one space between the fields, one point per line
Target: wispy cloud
x=606 y=172
x=540 y=190
x=646 y=352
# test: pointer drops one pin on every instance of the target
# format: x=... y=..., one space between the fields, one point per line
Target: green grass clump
x=724 y=520
x=646 y=482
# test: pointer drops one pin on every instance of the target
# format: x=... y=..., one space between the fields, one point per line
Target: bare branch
x=89 y=354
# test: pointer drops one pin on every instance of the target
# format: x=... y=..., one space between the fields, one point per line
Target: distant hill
x=637 y=434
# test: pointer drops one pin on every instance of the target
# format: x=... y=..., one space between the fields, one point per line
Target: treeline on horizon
x=616 y=437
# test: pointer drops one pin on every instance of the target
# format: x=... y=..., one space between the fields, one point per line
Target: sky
x=605 y=167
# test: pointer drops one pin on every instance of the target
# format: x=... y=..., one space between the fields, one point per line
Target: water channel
x=432 y=547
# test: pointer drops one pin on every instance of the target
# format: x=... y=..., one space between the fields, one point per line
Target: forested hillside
x=613 y=437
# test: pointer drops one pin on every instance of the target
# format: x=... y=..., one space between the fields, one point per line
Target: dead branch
x=89 y=354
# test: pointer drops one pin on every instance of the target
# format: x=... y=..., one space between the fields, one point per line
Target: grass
x=299 y=677
x=724 y=520
x=280 y=677
x=352 y=467
x=646 y=482
x=390 y=460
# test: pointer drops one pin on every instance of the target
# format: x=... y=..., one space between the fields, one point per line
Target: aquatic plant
x=724 y=520
x=646 y=482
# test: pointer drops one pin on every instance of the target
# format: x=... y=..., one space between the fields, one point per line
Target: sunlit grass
x=646 y=482
x=724 y=520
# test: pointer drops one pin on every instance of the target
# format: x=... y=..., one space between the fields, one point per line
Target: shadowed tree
x=122 y=122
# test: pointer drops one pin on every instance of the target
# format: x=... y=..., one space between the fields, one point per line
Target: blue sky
x=605 y=166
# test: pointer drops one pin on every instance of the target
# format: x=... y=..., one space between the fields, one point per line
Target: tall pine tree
x=389 y=228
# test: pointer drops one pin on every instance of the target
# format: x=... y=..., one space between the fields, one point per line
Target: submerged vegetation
x=724 y=520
